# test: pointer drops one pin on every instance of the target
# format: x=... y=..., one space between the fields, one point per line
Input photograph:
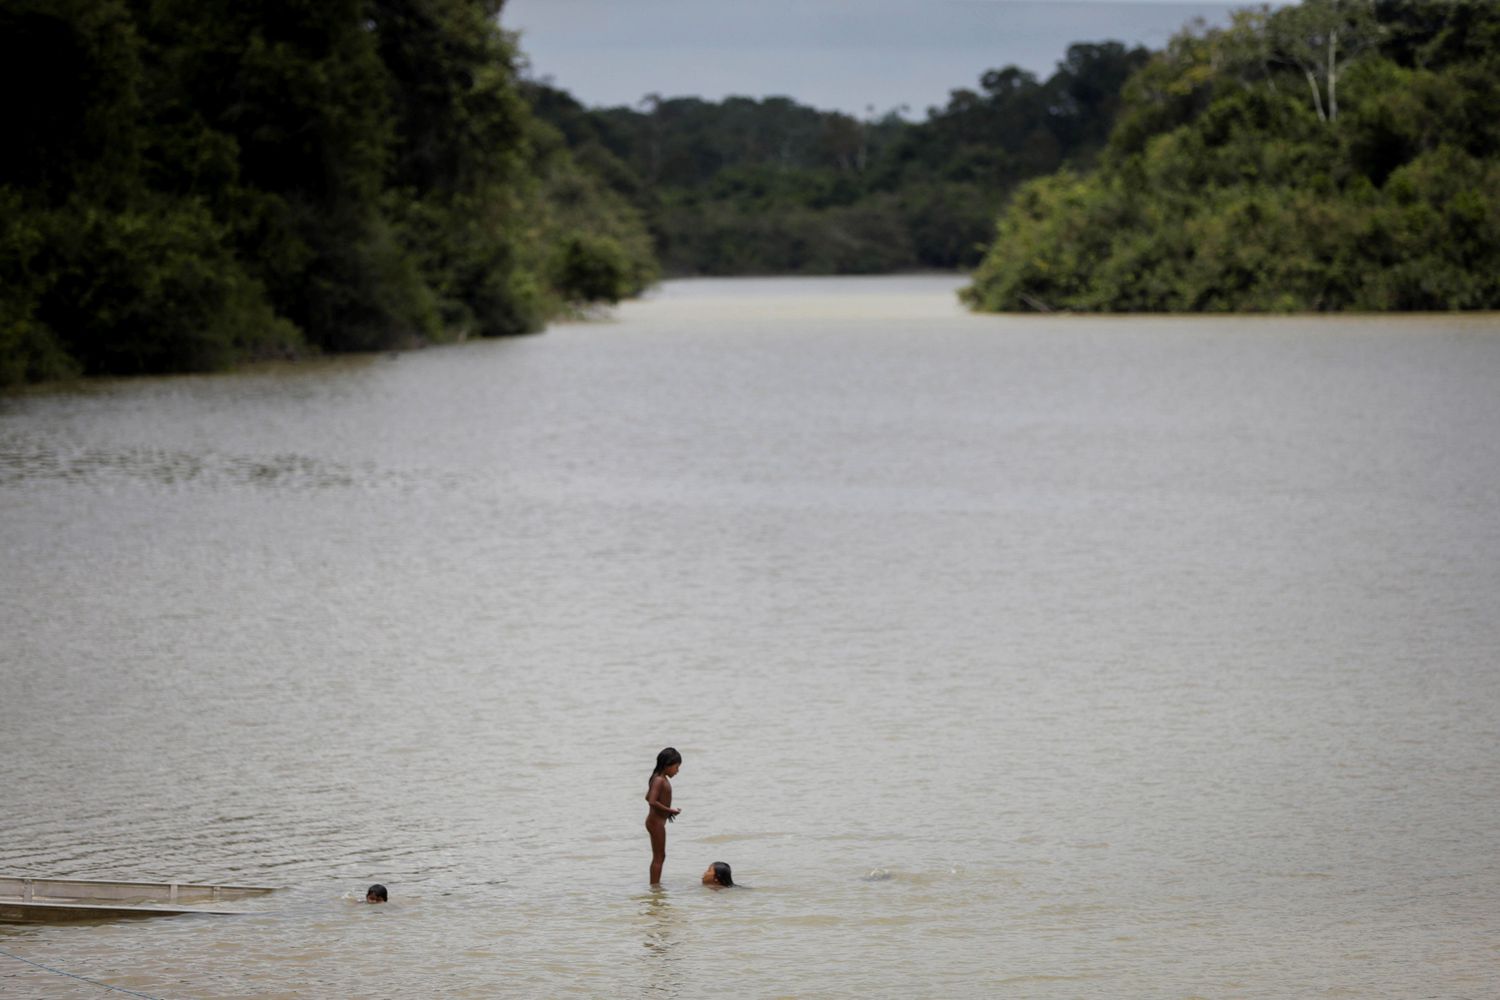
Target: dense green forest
x=188 y=183
x=1328 y=156
x=771 y=186
x=192 y=183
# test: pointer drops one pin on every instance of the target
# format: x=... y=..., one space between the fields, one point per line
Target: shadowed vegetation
x=189 y=183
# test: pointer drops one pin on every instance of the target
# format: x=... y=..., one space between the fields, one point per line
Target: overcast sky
x=832 y=54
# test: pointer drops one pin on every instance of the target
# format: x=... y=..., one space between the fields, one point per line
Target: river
x=1047 y=656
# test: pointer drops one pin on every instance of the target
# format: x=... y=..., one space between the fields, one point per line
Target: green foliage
x=301 y=96
x=588 y=268
x=29 y=350
x=193 y=182
x=152 y=288
x=1241 y=178
x=459 y=165
x=769 y=187
x=863 y=238
x=78 y=64
x=583 y=227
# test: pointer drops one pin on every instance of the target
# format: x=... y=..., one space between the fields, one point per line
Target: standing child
x=659 y=801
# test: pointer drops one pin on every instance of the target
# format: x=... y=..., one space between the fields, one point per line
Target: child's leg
x=658 y=833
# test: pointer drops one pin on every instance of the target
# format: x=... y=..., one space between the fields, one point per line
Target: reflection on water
x=1031 y=657
x=21 y=461
x=662 y=935
x=657 y=911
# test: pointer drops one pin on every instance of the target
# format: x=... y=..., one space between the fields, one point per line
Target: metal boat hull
x=24 y=900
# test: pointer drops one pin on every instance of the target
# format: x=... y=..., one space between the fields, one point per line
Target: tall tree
x=1320 y=37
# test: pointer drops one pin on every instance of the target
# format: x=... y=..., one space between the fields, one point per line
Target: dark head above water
x=375 y=894
x=718 y=874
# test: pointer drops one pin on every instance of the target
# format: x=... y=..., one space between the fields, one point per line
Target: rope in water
x=85 y=979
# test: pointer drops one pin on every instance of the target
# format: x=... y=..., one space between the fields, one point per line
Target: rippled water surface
x=1009 y=657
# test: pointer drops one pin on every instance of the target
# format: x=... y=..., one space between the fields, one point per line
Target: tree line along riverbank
x=191 y=184
x=1334 y=155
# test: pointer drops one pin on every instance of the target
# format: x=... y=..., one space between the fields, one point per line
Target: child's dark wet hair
x=376 y=894
x=664 y=760
x=721 y=873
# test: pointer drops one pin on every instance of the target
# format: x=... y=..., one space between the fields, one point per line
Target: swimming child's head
x=375 y=894
x=718 y=874
x=667 y=762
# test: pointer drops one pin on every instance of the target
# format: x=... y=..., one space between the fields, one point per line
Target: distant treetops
x=771 y=186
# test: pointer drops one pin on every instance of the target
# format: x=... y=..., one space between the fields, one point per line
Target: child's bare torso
x=659 y=799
